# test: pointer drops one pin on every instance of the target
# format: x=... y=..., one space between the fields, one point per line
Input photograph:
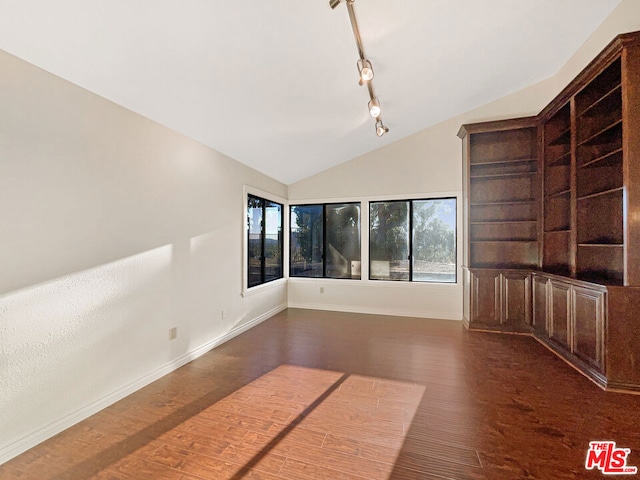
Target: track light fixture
x=380 y=128
x=374 y=107
x=365 y=69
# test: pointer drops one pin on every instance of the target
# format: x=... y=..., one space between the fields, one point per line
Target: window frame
x=263 y=236
x=410 y=202
x=324 y=238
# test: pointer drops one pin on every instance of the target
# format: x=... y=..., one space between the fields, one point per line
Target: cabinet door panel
x=540 y=304
x=559 y=319
x=485 y=296
x=588 y=320
x=516 y=294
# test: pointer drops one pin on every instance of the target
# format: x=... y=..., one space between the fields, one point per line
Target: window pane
x=254 y=217
x=272 y=241
x=343 y=240
x=389 y=241
x=306 y=241
x=434 y=240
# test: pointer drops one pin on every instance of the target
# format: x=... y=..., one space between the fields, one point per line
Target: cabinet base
x=574 y=362
x=506 y=329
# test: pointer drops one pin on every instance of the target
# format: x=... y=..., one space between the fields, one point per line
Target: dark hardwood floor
x=323 y=395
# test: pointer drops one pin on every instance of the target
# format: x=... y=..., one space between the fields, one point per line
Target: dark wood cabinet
x=500 y=300
x=516 y=299
x=559 y=315
x=622 y=338
x=540 y=286
x=571 y=317
x=588 y=325
x=485 y=298
x=551 y=233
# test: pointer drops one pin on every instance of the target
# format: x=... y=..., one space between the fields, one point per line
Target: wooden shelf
x=603 y=176
x=520 y=211
x=602 y=135
x=612 y=245
x=503 y=145
x=590 y=110
x=563 y=160
x=503 y=161
x=599 y=194
x=503 y=231
x=599 y=88
x=510 y=202
x=503 y=266
x=563 y=138
x=557 y=181
x=502 y=222
x=503 y=175
x=562 y=193
x=505 y=241
x=613 y=158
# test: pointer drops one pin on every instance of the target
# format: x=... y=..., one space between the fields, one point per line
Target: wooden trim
x=588 y=73
x=497 y=125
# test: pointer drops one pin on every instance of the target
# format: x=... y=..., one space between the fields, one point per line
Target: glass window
x=306 y=249
x=434 y=240
x=273 y=242
x=264 y=246
x=342 y=240
x=413 y=240
x=389 y=241
x=325 y=241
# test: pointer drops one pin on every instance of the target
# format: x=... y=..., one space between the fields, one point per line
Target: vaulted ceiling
x=273 y=83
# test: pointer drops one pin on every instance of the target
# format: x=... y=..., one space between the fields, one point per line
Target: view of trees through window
x=409 y=240
x=413 y=240
x=265 y=245
x=306 y=241
x=325 y=241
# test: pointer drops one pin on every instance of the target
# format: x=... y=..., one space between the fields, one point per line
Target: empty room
x=332 y=239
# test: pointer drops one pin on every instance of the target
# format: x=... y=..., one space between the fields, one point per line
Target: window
x=265 y=246
x=413 y=240
x=325 y=241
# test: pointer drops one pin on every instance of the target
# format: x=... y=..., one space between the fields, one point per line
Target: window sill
x=265 y=286
x=375 y=283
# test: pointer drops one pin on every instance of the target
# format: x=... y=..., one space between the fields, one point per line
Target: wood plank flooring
x=325 y=395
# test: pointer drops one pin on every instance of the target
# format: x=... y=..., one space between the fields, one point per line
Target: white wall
x=426 y=164
x=114 y=229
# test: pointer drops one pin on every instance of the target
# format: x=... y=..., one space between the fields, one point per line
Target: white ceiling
x=273 y=83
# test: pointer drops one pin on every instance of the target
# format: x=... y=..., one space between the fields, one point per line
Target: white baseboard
x=375 y=311
x=7 y=452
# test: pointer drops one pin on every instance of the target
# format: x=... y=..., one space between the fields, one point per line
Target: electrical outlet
x=321 y=289
x=173 y=333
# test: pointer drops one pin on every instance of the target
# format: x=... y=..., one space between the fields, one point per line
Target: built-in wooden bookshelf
x=599 y=178
x=554 y=243
x=502 y=173
x=583 y=164
x=556 y=135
